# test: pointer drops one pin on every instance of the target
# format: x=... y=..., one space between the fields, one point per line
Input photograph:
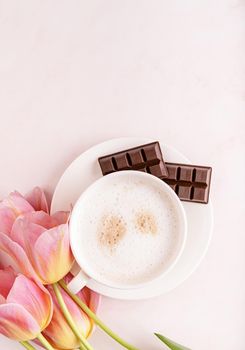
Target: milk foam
x=144 y=230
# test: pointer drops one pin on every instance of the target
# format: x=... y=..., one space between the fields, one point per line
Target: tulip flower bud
x=25 y=306
x=34 y=242
x=59 y=332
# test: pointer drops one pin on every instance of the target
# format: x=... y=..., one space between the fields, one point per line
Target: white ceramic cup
x=86 y=273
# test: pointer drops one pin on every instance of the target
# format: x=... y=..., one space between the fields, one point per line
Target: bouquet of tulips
x=36 y=307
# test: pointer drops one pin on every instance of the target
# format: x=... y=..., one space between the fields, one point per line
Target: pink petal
x=25 y=233
x=10 y=208
x=85 y=295
x=37 y=199
x=7 y=218
x=17 y=323
x=17 y=203
x=7 y=278
x=58 y=331
x=43 y=219
x=94 y=301
x=81 y=319
x=40 y=218
x=61 y=217
x=52 y=254
x=12 y=254
x=34 y=298
x=68 y=277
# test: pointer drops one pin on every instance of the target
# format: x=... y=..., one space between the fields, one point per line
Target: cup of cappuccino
x=127 y=229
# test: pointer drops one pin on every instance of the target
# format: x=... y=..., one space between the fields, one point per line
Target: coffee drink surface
x=129 y=231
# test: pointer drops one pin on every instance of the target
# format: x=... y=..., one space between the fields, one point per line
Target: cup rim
x=74 y=233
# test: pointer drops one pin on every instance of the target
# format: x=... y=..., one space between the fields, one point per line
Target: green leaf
x=171 y=344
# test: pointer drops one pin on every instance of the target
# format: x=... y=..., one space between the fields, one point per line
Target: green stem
x=82 y=347
x=44 y=342
x=96 y=320
x=69 y=318
x=27 y=345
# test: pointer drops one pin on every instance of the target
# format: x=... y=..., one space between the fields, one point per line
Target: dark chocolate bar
x=147 y=158
x=190 y=182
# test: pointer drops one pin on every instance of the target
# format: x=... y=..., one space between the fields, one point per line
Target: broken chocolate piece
x=190 y=182
x=147 y=158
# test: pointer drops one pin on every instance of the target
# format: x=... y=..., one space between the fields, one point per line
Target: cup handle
x=78 y=282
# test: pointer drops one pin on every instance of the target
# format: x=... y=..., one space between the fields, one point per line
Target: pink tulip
x=25 y=306
x=15 y=205
x=59 y=333
x=34 y=242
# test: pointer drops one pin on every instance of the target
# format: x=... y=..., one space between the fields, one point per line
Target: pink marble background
x=74 y=73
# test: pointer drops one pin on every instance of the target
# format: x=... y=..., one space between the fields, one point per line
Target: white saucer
x=85 y=169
